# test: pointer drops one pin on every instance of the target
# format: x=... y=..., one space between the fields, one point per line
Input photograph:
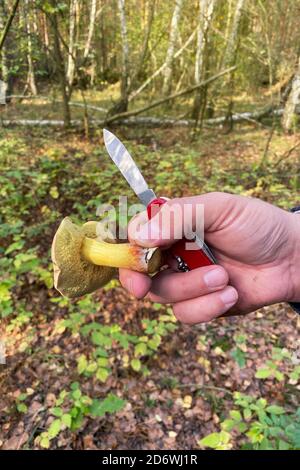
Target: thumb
x=181 y=217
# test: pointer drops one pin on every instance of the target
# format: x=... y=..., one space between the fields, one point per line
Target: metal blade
x=122 y=158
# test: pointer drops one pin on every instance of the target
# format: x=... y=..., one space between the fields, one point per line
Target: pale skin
x=257 y=246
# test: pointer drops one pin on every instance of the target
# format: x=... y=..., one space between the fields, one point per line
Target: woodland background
x=206 y=94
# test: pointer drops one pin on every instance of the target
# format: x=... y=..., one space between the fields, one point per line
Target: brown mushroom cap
x=73 y=275
x=83 y=261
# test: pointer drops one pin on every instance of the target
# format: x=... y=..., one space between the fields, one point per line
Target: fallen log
x=150 y=122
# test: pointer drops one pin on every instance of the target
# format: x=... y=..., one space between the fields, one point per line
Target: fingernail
x=148 y=232
x=229 y=297
x=215 y=278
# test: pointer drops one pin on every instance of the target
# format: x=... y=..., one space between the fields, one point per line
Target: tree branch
x=8 y=24
x=172 y=97
x=161 y=68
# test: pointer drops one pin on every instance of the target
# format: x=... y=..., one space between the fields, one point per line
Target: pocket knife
x=186 y=259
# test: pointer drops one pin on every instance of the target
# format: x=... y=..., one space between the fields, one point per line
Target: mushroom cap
x=73 y=275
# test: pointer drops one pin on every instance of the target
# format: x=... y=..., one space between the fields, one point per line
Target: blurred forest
x=206 y=94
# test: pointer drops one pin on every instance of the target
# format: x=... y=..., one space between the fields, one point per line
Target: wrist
x=294 y=262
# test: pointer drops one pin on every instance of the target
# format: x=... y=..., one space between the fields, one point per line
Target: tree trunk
x=5 y=24
x=91 y=29
x=4 y=63
x=123 y=104
x=59 y=61
x=229 y=58
x=206 y=8
x=30 y=76
x=171 y=47
x=103 y=67
x=157 y=72
x=145 y=45
x=45 y=34
x=8 y=22
x=72 y=49
x=289 y=115
x=151 y=122
x=231 y=46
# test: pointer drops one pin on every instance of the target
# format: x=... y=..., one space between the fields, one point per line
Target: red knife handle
x=186 y=259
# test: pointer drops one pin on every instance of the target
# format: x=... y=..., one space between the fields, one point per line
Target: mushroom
x=83 y=261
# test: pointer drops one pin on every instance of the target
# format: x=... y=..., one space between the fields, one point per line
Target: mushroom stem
x=123 y=255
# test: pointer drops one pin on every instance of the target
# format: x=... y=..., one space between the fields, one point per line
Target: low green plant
x=257 y=425
x=72 y=407
x=271 y=369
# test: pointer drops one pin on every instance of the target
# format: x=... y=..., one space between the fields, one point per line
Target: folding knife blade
x=122 y=158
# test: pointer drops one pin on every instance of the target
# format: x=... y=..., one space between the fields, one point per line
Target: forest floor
x=108 y=371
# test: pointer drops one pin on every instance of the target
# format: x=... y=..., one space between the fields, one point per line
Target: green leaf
x=101 y=340
x=247 y=414
x=154 y=342
x=15 y=246
x=100 y=352
x=212 y=440
x=45 y=442
x=102 y=362
x=54 y=428
x=215 y=439
x=92 y=367
x=74 y=386
x=242 y=427
x=136 y=364
x=239 y=356
x=76 y=394
x=279 y=375
x=236 y=415
x=228 y=424
x=57 y=411
x=54 y=192
x=102 y=374
x=111 y=404
x=275 y=410
x=66 y=419
x=22 y=408
x=140 y=349
x=282 y=445
x=261 y=403
x=81 y=364
x=263 y=373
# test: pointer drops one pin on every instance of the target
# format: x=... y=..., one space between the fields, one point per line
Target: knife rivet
x=181 y=265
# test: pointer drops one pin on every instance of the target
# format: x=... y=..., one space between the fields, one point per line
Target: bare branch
x=8 y=23
x=172 y=97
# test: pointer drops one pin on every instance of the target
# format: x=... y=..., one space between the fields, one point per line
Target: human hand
x=257 y=248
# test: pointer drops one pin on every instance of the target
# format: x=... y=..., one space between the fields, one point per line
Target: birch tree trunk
x=231 y=46
x=91 y=29
x=229 y=58
x=289 y=115
x=45 y=34
x=30 y=73
x=206 y=8
x=160 y=70
x=171 y=47
x=72 y=48
x=122 y=105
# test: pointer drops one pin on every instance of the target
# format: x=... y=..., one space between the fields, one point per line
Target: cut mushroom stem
x=123 y=255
